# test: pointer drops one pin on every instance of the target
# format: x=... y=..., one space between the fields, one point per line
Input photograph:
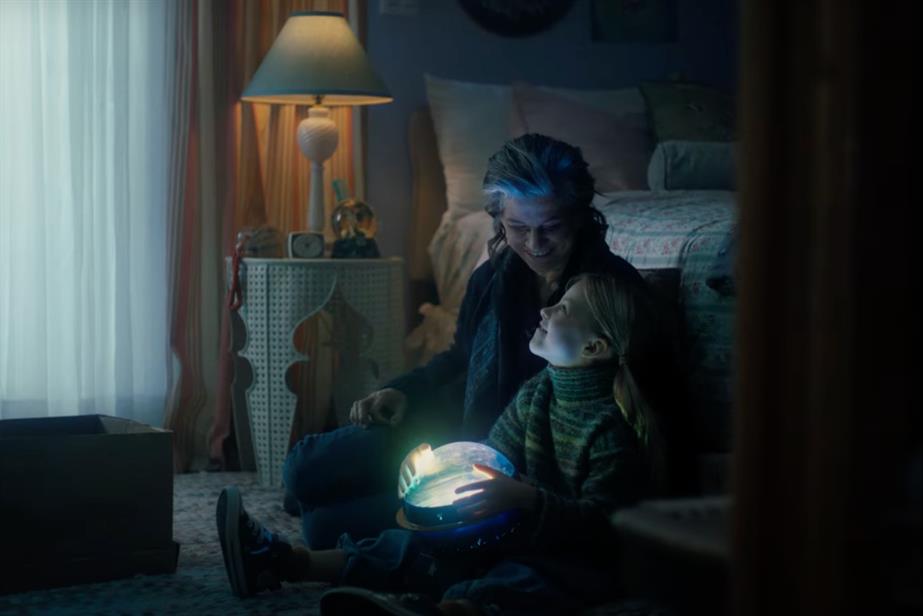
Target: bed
x=681 y=230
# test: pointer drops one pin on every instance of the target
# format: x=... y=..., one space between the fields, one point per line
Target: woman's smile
x=539 y=254
x=539 y=232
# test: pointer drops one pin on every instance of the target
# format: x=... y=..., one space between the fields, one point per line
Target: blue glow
x=452 y=466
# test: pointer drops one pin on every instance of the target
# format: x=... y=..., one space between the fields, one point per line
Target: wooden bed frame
x=428 y=203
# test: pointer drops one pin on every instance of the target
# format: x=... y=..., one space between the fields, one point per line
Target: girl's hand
x=497 y=493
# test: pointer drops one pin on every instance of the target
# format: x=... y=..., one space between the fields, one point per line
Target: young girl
x=581 y=431
x=539 y=193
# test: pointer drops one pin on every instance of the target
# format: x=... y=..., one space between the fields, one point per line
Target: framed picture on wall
x=634 y=21
x=516 y=17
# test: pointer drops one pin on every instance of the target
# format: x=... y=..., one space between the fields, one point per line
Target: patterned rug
x=199 y=585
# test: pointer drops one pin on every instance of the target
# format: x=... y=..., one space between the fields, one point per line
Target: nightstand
x=364 y=299
x=676 y=552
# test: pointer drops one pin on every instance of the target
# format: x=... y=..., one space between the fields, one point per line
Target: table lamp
x=316 y=60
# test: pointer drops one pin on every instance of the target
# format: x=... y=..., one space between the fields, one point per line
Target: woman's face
x=566 y=335
x=539 y=231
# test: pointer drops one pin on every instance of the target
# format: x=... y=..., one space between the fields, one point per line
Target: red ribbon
x=235 y=296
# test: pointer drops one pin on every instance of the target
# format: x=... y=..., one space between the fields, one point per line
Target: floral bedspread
x=685 y=230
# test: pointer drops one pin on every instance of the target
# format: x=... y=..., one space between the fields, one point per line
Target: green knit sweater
x=565 y=432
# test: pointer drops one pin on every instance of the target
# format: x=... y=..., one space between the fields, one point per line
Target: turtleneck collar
x=586 y=383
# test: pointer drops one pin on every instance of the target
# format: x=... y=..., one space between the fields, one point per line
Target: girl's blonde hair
x=627 y=316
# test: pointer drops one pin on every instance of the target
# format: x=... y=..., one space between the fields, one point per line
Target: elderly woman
x=539 y=193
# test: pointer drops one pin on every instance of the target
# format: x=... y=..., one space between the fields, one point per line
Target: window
x=84 y=149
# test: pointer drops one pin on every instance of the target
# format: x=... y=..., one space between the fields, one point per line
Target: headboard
x=428 y=203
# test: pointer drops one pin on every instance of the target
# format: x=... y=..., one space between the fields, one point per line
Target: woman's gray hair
x=535 y=166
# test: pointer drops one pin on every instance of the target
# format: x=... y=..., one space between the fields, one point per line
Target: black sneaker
x=347 y=600
x=252 y=555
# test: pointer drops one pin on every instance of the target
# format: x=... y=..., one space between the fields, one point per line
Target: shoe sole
x=228 y=518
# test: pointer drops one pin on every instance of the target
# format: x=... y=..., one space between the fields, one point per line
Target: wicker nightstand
x=364 y=297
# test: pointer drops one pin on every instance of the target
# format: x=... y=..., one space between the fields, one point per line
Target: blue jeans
x=398 y=561
x=346 y=480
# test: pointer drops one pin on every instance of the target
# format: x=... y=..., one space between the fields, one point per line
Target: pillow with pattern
x=689 y=112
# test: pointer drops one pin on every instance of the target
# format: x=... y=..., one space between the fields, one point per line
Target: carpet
x=199 y=585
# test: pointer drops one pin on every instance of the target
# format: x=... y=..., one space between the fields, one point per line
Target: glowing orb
x=428 y=501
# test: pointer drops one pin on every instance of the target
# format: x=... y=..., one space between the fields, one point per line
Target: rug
x=199 y=585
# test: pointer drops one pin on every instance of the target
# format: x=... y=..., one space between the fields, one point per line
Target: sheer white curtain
x=84 y=131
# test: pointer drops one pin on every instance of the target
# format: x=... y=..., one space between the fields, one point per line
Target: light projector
x=429 y=498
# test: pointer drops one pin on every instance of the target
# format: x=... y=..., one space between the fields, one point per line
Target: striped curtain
x=234 y=165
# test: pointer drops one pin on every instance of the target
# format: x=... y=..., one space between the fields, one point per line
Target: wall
x=442 y=40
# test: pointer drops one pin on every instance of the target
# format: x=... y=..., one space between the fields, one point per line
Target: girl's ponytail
x=643 y=420
x=628 y=317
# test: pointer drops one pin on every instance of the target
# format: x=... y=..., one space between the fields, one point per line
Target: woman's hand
x=385 y=406
x=497 y=493
x=411 y=465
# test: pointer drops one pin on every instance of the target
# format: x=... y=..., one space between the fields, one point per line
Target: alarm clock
x=305 y=245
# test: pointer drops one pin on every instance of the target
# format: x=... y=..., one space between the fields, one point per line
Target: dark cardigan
x=499 y=314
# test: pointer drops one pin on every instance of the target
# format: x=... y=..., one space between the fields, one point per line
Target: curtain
x=234 y=165
x=829 y=440
x=85 y=116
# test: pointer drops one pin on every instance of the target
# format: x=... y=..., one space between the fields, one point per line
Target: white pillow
x=692 y=165
x=624 y=101
x=472 y=121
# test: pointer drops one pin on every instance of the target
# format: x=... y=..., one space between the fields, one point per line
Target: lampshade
x=316 y=54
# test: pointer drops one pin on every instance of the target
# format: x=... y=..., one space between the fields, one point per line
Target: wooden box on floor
x=84 y=499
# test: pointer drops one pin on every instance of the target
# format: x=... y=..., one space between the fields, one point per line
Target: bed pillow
x=688 y=112
x=471 y=121
x=692 y=165
x=617 y=147
x=620 y=102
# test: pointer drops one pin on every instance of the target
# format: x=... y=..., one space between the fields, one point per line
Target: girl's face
x=565 y=336
x=539 y=232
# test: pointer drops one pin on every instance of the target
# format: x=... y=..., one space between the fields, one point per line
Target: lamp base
x=317 y=138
